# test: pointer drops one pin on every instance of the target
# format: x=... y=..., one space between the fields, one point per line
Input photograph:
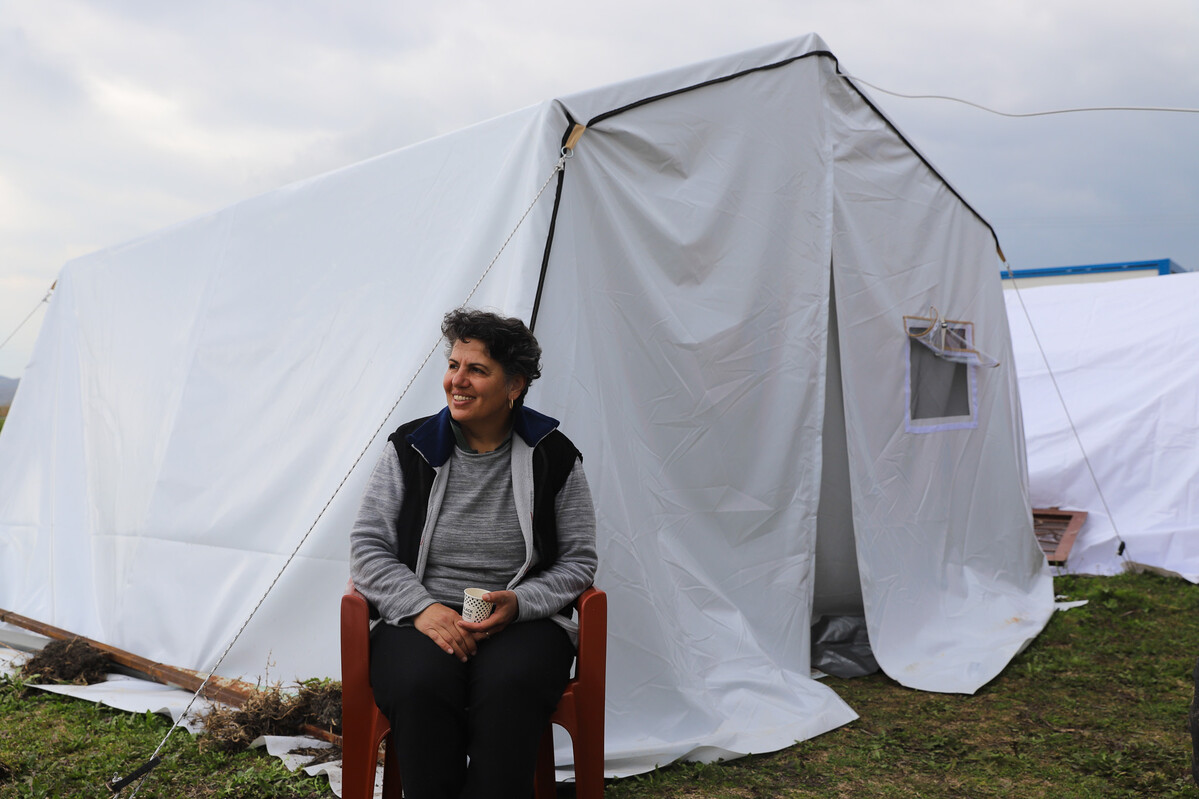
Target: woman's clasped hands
x=446 y=627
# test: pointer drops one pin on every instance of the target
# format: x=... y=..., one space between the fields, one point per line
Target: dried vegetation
x=273 y=711
x=71 y=661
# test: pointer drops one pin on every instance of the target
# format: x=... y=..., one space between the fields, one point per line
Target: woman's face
x=476 y=389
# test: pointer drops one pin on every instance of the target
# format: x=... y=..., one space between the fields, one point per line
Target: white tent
x=719 y=278
x=1125 y=356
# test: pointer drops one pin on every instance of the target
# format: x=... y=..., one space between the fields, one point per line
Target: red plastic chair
x=580 y=710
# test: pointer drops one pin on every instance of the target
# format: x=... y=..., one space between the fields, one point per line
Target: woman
x=487 y=493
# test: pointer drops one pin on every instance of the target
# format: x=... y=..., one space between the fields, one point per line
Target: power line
x=1051 y=112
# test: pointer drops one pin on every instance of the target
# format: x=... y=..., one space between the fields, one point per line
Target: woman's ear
x=516 y=384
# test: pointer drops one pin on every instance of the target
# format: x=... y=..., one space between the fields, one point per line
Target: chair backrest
x=591 y=662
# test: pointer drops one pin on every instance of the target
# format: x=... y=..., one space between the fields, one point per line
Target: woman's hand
x=443 y=625
x=504 y=613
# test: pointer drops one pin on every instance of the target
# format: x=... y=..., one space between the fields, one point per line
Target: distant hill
x=8 y=387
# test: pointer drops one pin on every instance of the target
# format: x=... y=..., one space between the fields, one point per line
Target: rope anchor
x=118 y=783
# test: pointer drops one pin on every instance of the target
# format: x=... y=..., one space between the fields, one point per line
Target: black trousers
x=491 y=709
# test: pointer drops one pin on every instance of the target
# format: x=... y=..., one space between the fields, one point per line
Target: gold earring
x=511 y=403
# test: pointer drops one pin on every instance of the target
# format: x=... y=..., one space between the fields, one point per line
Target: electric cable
x=1051 y=112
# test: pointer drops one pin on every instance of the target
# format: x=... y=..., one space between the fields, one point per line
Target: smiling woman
x=479 y=395
x=490 y=364
x=485 y=494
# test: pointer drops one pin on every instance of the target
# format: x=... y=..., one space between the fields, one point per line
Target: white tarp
x=1125 y=356
x=734 y=246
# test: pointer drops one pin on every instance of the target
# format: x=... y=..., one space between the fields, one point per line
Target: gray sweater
x=400 y=594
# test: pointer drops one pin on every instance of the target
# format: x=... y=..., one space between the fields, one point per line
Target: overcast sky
x=123 y=117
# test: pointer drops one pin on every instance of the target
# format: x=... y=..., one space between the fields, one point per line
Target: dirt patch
x=273 y=711
x=72 y=661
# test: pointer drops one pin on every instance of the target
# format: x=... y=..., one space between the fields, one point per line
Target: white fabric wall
x=199 y=394
x=1124 y=355
x=688 y=291
x=953 y=581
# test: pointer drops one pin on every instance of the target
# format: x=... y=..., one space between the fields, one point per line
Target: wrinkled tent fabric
x=1125 y=358
x=730 y=254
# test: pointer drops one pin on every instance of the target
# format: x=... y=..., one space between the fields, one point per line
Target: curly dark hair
x=507 y=339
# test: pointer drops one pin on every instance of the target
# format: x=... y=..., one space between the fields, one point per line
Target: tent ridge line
x=837 y=64
x=886 y=120
x=711 y=82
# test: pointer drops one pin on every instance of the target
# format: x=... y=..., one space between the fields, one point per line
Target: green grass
x=54 y=746
x=1095 y=707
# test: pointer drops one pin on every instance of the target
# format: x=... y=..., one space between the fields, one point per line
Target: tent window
x=940 y=384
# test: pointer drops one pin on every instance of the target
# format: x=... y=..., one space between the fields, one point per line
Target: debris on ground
x=319 y=754
x=70 y=661
x=273 y=711
x=320 y=703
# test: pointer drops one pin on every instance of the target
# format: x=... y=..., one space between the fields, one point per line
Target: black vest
x=553 y=458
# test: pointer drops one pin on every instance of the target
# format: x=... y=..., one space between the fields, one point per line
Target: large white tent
x=1110 y=390
x=719 y=278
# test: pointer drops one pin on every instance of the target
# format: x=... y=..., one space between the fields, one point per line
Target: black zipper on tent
x=637 y=104
x=549 y=238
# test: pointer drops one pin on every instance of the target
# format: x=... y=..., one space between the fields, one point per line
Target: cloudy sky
x=124 y=116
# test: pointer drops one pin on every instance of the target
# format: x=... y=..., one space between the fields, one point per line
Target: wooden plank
x=219 y=689
x=1056 y=530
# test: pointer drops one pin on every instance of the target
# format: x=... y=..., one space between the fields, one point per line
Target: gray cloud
x=124 y=117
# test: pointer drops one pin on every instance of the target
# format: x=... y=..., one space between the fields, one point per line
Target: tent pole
x=231 y=692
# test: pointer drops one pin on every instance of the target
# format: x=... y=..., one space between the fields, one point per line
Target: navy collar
x=434 y=439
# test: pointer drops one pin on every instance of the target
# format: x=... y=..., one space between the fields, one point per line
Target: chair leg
x=544 y=786
x=589 y=765
x=358 y=763
x=391 y=771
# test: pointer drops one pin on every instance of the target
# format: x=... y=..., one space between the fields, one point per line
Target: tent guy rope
x=29 y=316
x=1123 y=549
x=118 y=783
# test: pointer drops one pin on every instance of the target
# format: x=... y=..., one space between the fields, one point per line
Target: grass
x=54 y=746
x=1095 y=707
